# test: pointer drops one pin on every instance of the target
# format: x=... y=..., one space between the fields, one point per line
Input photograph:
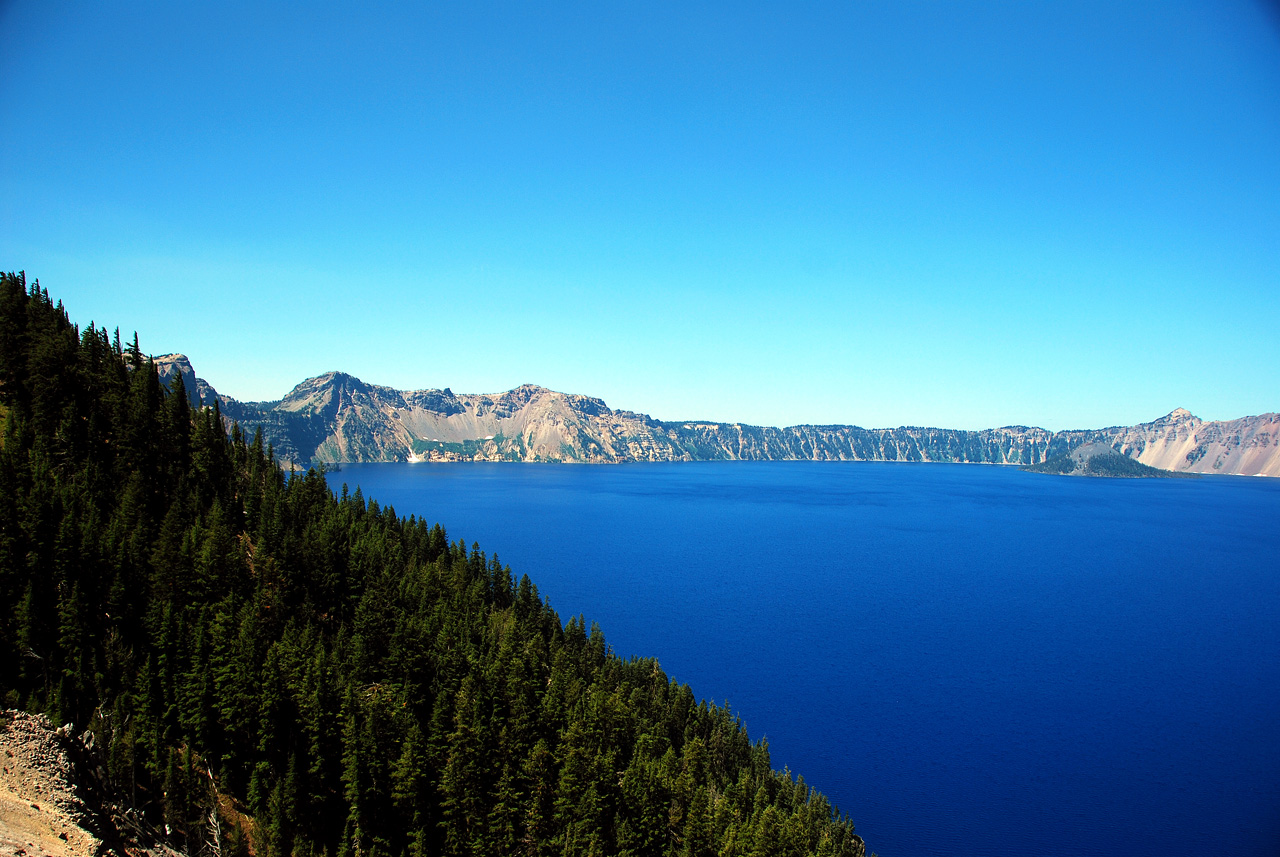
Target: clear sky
x=956 y=214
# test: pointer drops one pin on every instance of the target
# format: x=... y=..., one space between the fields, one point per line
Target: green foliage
x=358 y=682
x=1059 y=464
x=1122 y=465
x=1111 y=464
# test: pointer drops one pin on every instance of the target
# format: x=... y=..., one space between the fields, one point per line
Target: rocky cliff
x=1182 y=441
x=336 y=417
x=198 y=390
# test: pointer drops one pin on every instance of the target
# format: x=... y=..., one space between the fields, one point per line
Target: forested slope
x=269 y=668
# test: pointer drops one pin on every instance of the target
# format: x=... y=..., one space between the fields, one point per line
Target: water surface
x=965 y=659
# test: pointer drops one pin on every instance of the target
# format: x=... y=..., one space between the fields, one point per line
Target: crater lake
x=963 y=658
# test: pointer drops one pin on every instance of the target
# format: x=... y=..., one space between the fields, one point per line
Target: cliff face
x=1008 y=445
x=1182 y=441
x=530 y=423
x=198 y=389
x=336 y=418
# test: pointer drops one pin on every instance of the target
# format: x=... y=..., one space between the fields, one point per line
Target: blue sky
x=955 y=214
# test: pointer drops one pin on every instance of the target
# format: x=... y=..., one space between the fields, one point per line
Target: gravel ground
x=44 y=805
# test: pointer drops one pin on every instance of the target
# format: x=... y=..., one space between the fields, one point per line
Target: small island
x=1099 y=459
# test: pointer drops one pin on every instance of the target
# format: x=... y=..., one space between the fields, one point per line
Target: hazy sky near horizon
x=953 y=214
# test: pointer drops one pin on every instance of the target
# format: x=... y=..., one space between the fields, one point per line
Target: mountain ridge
x=338 y=418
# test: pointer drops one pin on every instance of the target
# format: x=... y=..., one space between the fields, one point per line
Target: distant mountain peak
x=340 y=380
x=324 y=392
x=175 y=358
x=526 y=393
x=199 y=392
x=1092 y=450
x=343 y=378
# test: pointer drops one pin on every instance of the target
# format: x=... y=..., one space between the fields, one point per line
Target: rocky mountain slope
x=54 y=801
x=1182 y=441
x=339 y=418
x=198 y=389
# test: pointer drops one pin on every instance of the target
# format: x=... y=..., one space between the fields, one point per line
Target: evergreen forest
x=269 y=669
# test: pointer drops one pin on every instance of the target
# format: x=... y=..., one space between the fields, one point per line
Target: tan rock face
x=40 y=812
x=198 y=390
x=45 y=805
x=1249 y=446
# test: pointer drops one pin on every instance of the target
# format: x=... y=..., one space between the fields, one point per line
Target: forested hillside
x=271 y=669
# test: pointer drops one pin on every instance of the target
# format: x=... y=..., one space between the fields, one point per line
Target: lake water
x=965 y=659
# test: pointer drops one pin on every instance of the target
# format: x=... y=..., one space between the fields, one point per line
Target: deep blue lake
x=965 y=659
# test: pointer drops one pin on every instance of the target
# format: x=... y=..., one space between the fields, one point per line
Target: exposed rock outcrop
x=199 y=391
x=54 y=800
x=1182 y=441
